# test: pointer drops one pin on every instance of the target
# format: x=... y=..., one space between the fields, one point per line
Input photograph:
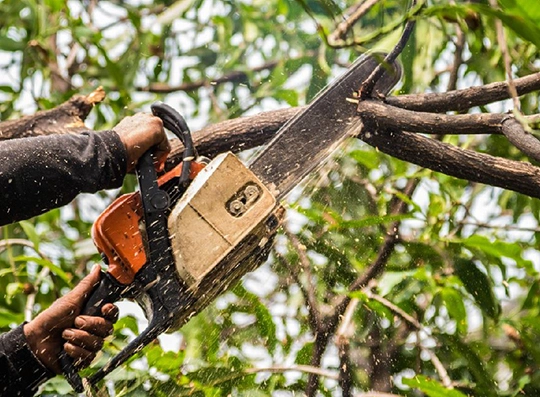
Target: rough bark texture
x=385 y=132
x=64 y=119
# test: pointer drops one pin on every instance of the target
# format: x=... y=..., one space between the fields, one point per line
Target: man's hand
x=60 y=326
x=141 y=132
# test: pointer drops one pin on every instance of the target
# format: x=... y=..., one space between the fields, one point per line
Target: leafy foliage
x=465 y=267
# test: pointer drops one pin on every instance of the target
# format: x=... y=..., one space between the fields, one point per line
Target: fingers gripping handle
x=107 y=291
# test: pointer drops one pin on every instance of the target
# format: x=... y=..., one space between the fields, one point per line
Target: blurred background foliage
x=457 y=305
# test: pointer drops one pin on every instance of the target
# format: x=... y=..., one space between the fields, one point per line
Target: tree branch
x=430 y=123
x=63 y=119
x=520 y=138
x=460 y=100
x=356 y=12
x=451 y=160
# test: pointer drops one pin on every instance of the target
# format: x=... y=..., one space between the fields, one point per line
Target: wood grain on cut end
x=66 y=118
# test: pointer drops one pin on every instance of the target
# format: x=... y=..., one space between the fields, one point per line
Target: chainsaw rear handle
x=107 y=291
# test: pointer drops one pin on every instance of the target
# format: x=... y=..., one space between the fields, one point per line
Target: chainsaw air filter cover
x=225 y=212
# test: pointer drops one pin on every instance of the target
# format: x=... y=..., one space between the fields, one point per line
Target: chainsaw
x=193 y=232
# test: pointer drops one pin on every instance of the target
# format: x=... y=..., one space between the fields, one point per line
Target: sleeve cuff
x=29 y=369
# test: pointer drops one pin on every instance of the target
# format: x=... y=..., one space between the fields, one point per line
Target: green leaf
x=479 y=286
x=512 y=18
x=12 y=289
x=468 y=356
x=453 y=301
x=169 y=362
x=31 y=233
x=127 y=322
x=496 y=248
x=8 y=44
x=266 y=326
x=531 y=301
x=368 y=221
x=45 y=263
x=431 y=387
x=8 y=318
x=527 y=9
x=390 y=279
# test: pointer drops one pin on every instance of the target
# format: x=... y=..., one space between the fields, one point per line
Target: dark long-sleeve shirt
x=36 y=175
x=41 y=173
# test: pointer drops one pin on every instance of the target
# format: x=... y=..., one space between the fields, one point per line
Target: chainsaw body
x=219 y=229
x=179 y=242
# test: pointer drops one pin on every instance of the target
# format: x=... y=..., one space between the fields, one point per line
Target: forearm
x=41 y=173
x=21 y=372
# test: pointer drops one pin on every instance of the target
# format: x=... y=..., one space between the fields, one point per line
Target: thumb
x=80 y=293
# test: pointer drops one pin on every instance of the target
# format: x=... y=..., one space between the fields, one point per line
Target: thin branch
x=331 y=321
x=503 y=46
x=367 y=86
x=439 y=367
x=482 y=225
x=31 y=298
x=338 y=35
x=458 y=59
x=307 y=290
x=343 y=334
x=296 y=368
x=236 y=76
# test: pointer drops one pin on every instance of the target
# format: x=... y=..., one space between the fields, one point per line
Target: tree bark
x=67 y=118
x=379 y=124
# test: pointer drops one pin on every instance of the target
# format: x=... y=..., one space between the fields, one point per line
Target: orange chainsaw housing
x=117 y=230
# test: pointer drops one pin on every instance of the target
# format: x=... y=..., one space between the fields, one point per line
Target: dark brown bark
x=64 y=119
x=451 y=160
x=431 y=123
x=460 y=100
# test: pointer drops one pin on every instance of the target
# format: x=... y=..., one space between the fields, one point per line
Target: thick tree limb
x=460 y=100
x=64 y=119
x=431 y=123
x=451 y=160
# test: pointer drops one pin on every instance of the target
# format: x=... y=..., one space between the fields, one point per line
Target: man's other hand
x=141 y=132
x=61 y=327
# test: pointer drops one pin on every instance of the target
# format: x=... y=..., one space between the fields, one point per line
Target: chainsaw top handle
x=174 y=122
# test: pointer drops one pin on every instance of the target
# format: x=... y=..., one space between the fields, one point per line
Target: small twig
x=309 y=291
x=458 y=59
x=343 y=334
x=503 y=46
x=396 y=309
x=367 y=86
x=482 y=225
x=230 y=77
x=439 y=367
x=296 y=368
x=359 y=11
x=31 y=298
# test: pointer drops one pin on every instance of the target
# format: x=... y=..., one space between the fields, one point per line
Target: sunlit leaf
x=431 y=387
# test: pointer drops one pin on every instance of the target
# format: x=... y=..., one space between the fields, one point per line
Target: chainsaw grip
x=107 y=291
